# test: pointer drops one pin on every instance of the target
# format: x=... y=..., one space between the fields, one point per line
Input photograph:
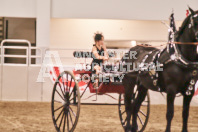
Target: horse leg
x=142 y=92
x=186 y=105
x=170 y=107
x=129 y=84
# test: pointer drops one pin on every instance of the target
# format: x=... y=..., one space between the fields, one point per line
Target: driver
x=99 y=55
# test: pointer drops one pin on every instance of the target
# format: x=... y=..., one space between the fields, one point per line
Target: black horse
x=178 y=76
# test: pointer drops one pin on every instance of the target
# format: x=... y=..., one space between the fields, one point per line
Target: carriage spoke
x=67 y=123
x=143 y=113
x=60 y=95
x=67 y=82
x=61 y=88
x=57 y=101
x=72 y=111
x=64 y=124
x=63 y=83
x=70 y=94
x=61 y=121
x=59 y=115
x=71 y=118
x=123 y=112
x=140 y=120
x=58 y=108
x=73 y=98
x=70 y=84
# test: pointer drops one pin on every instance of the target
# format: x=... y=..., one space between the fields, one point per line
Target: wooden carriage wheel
x=143 y=114
x=65 y=104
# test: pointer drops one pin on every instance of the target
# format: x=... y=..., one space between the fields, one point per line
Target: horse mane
x=183 y=26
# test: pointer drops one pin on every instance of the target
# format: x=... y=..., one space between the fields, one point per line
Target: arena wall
x=78 y=33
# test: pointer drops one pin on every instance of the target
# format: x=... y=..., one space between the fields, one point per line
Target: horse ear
x=191 y=10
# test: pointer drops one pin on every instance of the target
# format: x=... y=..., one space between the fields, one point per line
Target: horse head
x=188 y=32
x=187 y=36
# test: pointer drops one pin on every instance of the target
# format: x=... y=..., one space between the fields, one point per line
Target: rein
x=192 y=43
x=151 y=45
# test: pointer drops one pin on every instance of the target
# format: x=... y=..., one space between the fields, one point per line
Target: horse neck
x=188 y=51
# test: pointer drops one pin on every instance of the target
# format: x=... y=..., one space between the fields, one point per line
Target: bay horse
x=178 y=76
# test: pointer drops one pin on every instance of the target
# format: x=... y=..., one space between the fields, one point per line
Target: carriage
x=66 y=95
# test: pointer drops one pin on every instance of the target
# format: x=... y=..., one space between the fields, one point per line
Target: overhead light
x=133 y=43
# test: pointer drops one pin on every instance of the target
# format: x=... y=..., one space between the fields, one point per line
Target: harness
x=177 y=57
x=174 y=56
x=152 y=67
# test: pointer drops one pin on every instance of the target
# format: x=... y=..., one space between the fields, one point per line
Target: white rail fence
x=16 y=82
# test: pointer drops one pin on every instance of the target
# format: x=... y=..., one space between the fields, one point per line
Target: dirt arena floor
x=36 y=117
